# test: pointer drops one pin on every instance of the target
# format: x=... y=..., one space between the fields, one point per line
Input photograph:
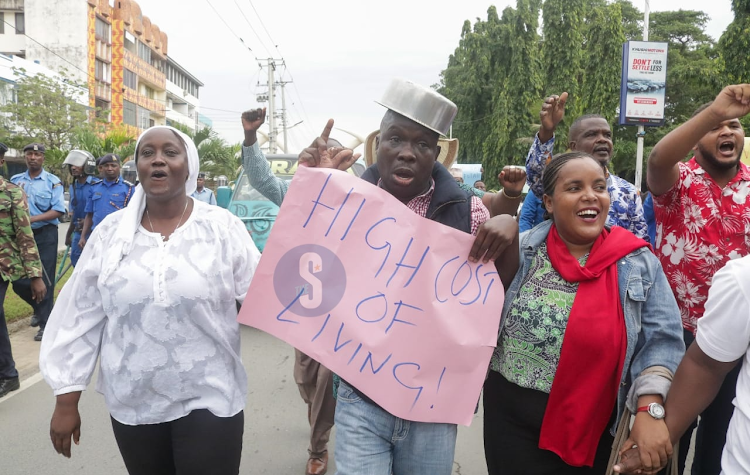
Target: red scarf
x=592 y=356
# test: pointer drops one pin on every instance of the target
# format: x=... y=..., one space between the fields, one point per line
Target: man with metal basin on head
x=368 y=438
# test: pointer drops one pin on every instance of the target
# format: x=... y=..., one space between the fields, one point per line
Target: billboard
x=644 y=82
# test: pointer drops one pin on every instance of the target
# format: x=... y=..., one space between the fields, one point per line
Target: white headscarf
x=122 y=239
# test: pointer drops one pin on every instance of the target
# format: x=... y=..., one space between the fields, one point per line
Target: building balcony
x=145 y=71
x=157 y=108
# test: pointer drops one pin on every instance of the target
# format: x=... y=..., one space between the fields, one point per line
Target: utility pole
x=641 y=130
x=283 y=114
x=271 y=106
x=270 y=96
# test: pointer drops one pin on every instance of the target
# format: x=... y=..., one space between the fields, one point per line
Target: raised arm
x=552 y=112
x=663 y=169
x=255 y=163
x=512 y=179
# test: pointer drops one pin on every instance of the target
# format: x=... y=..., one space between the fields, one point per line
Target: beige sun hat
x=447 y=155
x=420 y=104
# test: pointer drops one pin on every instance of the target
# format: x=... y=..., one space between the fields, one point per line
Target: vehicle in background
x=254 y=209
x=472 y=171
x=66 y=217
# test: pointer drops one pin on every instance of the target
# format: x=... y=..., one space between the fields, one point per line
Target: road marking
x=25 y=384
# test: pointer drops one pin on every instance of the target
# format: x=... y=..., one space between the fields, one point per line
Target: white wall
x=10 y=41
x=61 y=26
x=181 y=112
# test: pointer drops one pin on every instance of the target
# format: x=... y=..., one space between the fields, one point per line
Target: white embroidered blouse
x=164 y=322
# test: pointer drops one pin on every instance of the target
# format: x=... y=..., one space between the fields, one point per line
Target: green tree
x=602 y=70
x=216 y=156
x=563 y=52
x=734 y=46
x=100 y=140
x=45 y=109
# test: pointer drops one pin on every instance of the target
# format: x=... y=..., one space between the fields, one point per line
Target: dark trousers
x=75 y=249
x=46 y=242
x=315 y=384
x=7 y=365
x=711 y=434
x=512 y=425
x=197 y=444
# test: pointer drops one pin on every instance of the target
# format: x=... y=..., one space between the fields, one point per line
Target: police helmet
x=81 y=158
x=129 y=172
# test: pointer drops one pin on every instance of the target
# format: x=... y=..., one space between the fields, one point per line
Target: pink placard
x=384 y=298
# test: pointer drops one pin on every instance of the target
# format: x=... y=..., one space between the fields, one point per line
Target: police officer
x=19 y=258
x=82 y=166
x=202 y=193
x=108 y=195
x=44 y=192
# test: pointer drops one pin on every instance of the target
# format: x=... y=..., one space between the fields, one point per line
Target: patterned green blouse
x=528 y=349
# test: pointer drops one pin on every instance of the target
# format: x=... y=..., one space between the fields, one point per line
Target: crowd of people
x=603 y=296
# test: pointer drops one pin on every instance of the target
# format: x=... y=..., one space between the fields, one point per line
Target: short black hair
x=552 y=170
x=701 y=108
x=575 y=127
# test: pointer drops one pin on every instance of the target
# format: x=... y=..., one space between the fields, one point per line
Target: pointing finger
x=327 y=130
x=563 y=99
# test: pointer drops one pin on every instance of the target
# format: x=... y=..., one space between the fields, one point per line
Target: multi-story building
x=182 y=96
x=113 y=48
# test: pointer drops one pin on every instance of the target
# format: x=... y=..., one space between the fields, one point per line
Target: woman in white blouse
x=154 y=296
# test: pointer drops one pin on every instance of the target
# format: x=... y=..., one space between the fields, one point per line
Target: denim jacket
x=652 y=318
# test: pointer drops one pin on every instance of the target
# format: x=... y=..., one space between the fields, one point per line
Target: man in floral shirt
x=702 y=221
x=590 y=134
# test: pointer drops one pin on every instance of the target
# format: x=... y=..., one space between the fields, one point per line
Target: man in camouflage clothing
x=19 y=258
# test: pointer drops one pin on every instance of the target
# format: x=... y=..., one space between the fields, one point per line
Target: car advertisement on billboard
x=644 y=82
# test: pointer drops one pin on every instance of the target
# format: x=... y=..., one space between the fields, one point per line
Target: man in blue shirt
x=78 y=162
x=108 y=195
x=202 y=193
x=44 y=193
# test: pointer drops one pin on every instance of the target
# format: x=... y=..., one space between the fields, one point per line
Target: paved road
x=276 y=430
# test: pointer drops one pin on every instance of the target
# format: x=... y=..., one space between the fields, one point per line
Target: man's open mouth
x=727 y=148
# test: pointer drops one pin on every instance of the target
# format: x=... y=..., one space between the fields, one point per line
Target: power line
x=229 y=27
x=257 y=15
x=51 y=51
x=251 y=27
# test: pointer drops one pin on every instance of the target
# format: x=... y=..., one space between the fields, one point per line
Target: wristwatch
x=654 y=410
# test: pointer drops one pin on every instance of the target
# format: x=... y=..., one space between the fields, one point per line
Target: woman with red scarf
x=589 y=326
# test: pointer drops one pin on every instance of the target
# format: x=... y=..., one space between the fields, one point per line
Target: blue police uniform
x=206 y=196
x=44 y=193
x=79 y=196
x=106 y=198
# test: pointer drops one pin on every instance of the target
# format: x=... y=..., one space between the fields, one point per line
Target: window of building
x=20 y=25
x=148 y=92
x=129 y=79
x=130 y=43
x=143 y=118
x=2 y=23
x=129 y=113
x=103 y=72
x=102 y=109
x=103 y=31
x=144 y=52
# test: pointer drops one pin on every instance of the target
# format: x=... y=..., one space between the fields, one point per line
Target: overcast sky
x=340 y=54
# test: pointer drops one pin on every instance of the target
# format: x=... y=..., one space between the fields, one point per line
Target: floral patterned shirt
x=625 y=209
x=529 y=346
x=699 y=227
